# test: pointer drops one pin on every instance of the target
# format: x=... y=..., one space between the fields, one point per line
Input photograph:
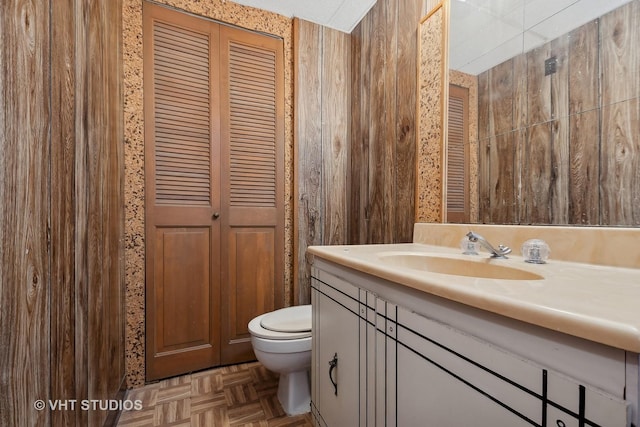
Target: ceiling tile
x=341 y=15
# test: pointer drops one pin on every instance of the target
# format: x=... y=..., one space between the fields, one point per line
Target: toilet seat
x=283 y=324
x=290 y=319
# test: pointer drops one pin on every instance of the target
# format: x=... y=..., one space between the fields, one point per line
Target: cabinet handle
x=333 y=363
x=215 y=215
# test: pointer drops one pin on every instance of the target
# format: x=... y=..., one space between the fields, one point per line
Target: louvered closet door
x=252 y=219
x=458 y=155
x=182 y=193
x=214 y=137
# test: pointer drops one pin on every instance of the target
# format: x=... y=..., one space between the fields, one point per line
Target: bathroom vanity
x=396 y=344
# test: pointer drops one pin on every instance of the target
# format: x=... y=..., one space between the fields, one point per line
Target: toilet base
x=294 y=392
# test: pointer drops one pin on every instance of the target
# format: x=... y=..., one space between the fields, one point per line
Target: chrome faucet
x=495 y=253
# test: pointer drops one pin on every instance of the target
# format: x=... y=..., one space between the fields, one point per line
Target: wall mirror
x=543 y=111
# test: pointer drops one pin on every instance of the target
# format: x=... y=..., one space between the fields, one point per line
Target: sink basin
x=485 y=268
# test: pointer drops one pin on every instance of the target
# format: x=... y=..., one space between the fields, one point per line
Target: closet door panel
x=252 y=215
x=182 y=197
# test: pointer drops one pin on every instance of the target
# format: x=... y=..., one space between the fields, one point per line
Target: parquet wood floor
x=234 y=396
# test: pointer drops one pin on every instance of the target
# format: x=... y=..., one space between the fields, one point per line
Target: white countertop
x=594 y=302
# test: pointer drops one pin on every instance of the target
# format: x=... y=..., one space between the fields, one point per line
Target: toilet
x=281 y=341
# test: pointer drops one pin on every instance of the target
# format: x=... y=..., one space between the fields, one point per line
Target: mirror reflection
x=543 y=117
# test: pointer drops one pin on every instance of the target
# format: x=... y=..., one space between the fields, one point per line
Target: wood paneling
x=383 y=154
x=63 y=200
x=620 y=163
x=322 y=124
x=578 y=163
x=61 y=287
x=335 y=135
x=308 y=162
x=355 y=130
x=620 y=122
x=25 y=274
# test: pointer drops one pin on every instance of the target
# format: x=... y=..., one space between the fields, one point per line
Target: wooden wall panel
x=63 y=199
x=620 y=140
x=308 y=149
x=25 y=276
x=61 y=281
x=335 y=134
x=359 y=149
x=578 y=164
x=620 y=163
x=99 y=204
x=384 y=68
x=584 y=192
x=322 y=122
x=584 y=125
x=583 y=61
x=355 y=132
x=405 y=119
x=620 y=54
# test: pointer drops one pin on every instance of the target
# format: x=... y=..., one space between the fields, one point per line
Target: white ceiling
x=484 y=33
x=341 y=15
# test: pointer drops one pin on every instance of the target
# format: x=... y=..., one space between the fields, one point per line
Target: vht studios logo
x=88 y=405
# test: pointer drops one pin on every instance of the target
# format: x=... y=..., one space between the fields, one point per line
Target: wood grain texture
x=584 y=81
x=620 y=54
x=405 y=120
x=577 y=165
x=375 y=191
x=62 y=156
x=63 y=199
x=99 y=200
x=501 y=177
x=25 y=276
x=355 y=132
x=323 y=77
x=336 y=74
x=620 y=163
x=308 y=149
x=584 y=130
x=252 y=232
x=381 y=207
x=359 y=151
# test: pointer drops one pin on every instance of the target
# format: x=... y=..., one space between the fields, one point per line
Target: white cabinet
x=335 y=355
x=453 y=379
x=401 y=367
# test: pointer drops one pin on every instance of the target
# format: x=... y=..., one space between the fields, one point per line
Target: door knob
x=215 y=215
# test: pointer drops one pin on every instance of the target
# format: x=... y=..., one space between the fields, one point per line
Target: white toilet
x=281 y=341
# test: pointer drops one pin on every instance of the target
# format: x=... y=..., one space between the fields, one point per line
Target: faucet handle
x=535 y=251
x=469 y=247
x=504 y=249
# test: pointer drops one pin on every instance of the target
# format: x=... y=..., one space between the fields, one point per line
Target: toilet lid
x=290 y=319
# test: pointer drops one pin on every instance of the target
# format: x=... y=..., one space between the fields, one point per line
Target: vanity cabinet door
x=573 y=404
x=335 y=355
x=446 y=378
